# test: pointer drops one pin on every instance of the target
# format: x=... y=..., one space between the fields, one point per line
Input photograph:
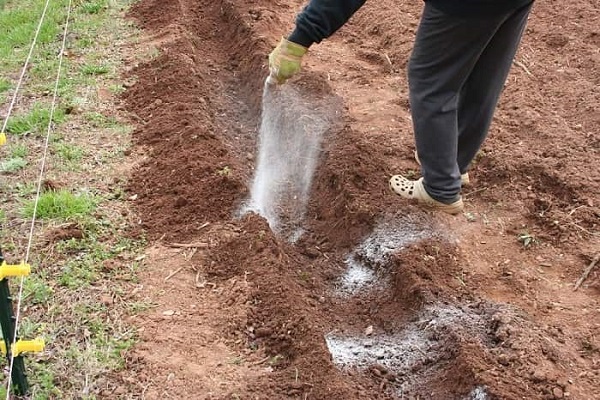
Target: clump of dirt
x=64 y=232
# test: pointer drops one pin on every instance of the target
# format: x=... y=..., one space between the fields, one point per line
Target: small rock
x=539 y=376
x=169 y=313
x=369 y=330
x=263 y=332
x=312 y=253
x=180 y=202
x=562 y=382
x=558 y=393
x=503 y=359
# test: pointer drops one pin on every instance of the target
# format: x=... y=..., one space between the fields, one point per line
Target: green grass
x=101 y=121
x=61 y=204
x=17 y=28
x=77 y=274
x=45 y=68
x=68 y=152
x=93 y=69
x=18 y=150
x=4 y=84
x=13 y=165
x=93 y=7
x=30 y=328
x=42 y=376
x=36 y=289
x=35 y=121
x=24 y=189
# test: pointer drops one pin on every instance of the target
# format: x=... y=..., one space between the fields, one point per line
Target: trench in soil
x=366 y=302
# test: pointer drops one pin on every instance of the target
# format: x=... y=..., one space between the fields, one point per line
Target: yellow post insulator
x=24 y=346
x=28 y=346
x=2 y=138
x=14 y=270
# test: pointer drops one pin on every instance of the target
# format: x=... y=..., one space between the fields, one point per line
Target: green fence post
x=7 y=320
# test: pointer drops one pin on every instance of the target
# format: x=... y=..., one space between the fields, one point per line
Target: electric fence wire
x=39 y=183
x=24 y=70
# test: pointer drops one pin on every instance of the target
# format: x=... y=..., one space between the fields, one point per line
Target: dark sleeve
x=321 y=19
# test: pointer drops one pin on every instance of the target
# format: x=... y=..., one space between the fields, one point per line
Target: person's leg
x=445 y=52
x=480 y=93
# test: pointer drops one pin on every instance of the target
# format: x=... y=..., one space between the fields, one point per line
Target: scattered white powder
x=291 y=131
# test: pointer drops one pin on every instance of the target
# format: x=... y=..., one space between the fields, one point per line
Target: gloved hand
x=285 y=60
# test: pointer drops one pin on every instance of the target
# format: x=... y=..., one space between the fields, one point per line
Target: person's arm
x=321 y=19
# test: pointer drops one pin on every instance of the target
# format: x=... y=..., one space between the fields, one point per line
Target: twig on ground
x=197 y=245
x=583 y=229
x=204 y=225
x=172 y=274
x=575 y=209
x=192 y=253
x=483 y=189
x=587 y=271
x=264 y=360
x=520 y=64
x=387 y=58
x=204 y=283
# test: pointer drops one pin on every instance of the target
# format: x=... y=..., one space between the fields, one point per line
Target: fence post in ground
x=7 y=321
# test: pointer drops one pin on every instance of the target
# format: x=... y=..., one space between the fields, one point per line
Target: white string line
x=20 y=82
x=39 y=188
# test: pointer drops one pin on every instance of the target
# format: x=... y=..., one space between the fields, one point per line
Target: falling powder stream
x=291 y=130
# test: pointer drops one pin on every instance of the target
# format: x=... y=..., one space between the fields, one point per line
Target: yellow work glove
x=285 y=60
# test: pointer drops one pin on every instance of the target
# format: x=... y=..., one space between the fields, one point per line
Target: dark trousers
x=456 y=73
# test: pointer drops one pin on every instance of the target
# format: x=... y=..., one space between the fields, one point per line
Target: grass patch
x=4 y=84
x=36 y=289
x=99 y=120
x=93 y=7
x=45 y=69
x=94 y=70
x=19 y=150
x=24 y=189
x=18 y=24
x=42 y=376
x=77 y=274
x=13 y=165
x=35 y=121
x=68 y=152
x=61 y=204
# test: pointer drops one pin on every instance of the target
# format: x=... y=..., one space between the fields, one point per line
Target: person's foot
x=465 y=180
x=416 y=191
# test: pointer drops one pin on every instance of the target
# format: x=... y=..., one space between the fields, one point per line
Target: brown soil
x=465 y=311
